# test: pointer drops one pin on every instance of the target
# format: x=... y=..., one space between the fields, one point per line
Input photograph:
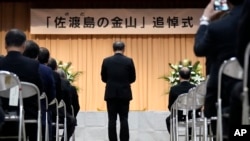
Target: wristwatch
x=204 y=20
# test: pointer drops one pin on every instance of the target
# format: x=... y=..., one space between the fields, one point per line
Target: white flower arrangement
x=67 y=68
x=196 y=75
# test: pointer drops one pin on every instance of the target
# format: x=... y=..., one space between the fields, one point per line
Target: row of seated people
x=33 y=64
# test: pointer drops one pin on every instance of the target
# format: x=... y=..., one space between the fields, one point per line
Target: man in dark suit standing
x=26 y=69
x=216 y=40
x=175 y=91
x=118 y=72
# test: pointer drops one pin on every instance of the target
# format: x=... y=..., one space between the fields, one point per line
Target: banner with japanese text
x=114 y=21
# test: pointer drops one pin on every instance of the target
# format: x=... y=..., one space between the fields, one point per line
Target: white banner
x=115 y=21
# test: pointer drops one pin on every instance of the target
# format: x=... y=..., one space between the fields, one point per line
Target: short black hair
x=52 y=63
x=44 y=55
x=31 y=49
x=185 y=73
x=118 y=45
x=15 y=37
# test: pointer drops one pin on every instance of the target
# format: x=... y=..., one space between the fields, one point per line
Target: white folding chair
x=231 y=68
x=245 y=95
x=44 y=97
x=64 y=125
x=29 y=90
x=190 y=101
x=56 y=123
x=10 y=89
x=197 y=99
x=179 y=104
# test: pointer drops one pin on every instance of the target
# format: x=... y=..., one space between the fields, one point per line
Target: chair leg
x=205 y=130
x=65 y=129
x=39 y=127
x=57 y=128
x=186 y=129
x=46 y=127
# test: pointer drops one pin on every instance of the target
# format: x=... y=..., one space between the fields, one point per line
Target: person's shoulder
x=177 y=86
x=45 y=69
x=108 y=58
x=30 y=60
x=128 y=57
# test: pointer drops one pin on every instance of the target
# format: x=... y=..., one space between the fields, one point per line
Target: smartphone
x=221 y=5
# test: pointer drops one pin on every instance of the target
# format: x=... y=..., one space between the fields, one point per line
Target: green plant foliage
x=67 y=68
x=196 y=75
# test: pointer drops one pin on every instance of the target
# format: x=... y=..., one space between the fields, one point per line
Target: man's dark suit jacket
x=48 y=81
x=217 y=42
x=175 y=91
x=27 y=70
x=235 y=119
x=118 y=72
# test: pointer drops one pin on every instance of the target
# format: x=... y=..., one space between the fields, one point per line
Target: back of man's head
x=52 y=63
x=15 y=37
x=44 y=55
x=236 y=2
x=31 y=49
x=185 y=73
x=61 y=73
x=118 y=46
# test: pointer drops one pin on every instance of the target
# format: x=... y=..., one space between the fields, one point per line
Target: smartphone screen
x=221 y=5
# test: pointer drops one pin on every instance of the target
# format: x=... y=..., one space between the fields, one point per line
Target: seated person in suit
x=175 y=91
x=66 y=97
x=53 y=65
x=74 y=100
x=27 y=70
x=32 y=50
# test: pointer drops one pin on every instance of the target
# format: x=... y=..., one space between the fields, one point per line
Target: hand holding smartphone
x=221 y=5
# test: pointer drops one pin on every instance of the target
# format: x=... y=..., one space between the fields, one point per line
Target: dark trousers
x=121 y=108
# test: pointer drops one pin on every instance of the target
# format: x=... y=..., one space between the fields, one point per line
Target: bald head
x=185 y=73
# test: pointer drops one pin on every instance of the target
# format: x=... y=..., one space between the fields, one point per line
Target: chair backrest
x=44 y=97
x=201 y=88
x=190 y=100
x=29 y=90
x=10 y=88
x=181 y=102
x=8 y=80
x=245 y=94
x=231 y=68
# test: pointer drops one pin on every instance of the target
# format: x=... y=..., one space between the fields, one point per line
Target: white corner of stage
x=143 y=126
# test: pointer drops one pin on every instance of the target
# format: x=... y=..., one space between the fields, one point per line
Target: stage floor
x=143 y=126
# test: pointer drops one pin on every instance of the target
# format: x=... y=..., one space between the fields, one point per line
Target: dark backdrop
x=114 y=3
